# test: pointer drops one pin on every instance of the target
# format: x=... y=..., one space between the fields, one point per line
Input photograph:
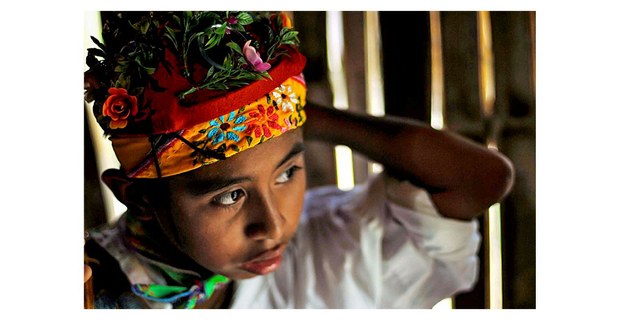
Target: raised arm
x=462 y=177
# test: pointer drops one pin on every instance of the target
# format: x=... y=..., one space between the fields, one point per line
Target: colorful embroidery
x=261 y=122
x=181 y=297
x=285 y=97
x=226 y=129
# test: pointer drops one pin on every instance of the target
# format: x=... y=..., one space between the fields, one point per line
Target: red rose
x=119 y=106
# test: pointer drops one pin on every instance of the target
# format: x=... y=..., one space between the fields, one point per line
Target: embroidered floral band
x=220 y=138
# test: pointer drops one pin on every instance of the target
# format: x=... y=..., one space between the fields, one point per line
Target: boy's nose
x=267 y=223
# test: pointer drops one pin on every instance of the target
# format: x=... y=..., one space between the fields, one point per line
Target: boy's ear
x=125 y=189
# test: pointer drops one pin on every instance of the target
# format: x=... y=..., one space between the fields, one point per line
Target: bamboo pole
x=492 y=218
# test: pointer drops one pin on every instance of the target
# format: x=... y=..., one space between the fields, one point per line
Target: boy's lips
x=265 y=262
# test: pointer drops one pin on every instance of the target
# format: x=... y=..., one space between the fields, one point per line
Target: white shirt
x=380 y=245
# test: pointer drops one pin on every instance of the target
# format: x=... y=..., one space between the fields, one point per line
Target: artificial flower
x=286 y=21
x=254 y=58
x=232 y=20
x=119 y=106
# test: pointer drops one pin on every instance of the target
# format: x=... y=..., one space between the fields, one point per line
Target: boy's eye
x=287 y=175
x=229 y=198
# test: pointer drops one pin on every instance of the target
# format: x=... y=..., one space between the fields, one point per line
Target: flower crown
x=186 y=54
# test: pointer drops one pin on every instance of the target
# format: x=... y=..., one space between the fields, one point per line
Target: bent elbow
x=501 y=178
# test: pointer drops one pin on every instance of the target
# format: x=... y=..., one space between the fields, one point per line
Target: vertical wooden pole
x=486 y=76
x=335 y=53
x=437 y=81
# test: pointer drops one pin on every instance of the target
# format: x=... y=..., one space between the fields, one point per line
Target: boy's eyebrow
x=296 y=149
x=207 y=186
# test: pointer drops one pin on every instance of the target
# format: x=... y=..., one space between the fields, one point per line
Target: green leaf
x=135 y=26
x=234 y=147
x=194 y=36
x=289 y=36
x=244 y=18
x=227 y=62
x=96 y=52
x=235 y=47
x=149 y=70
x=190 y=91
x=99 y=44
x=221 y=30
x=145 y=26
x=173 y=40
x=171 y=32
x=265 y=75
x=209 y=32
x=137 y=91
x=213 y=41
x=122 y=81
x=176 y=19
x=249 y=139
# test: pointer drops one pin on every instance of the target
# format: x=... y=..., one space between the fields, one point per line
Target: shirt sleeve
x=440 y=237
x=385 y=245
x=415 y=235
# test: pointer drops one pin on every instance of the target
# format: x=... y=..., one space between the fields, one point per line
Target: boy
x=205 y=112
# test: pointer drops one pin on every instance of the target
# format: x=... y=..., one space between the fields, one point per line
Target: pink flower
x=254 y=58
x=232 y=20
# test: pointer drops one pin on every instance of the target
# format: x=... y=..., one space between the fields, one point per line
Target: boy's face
x=236 y=217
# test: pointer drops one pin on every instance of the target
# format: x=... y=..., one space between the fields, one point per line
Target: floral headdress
x=178 y=90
